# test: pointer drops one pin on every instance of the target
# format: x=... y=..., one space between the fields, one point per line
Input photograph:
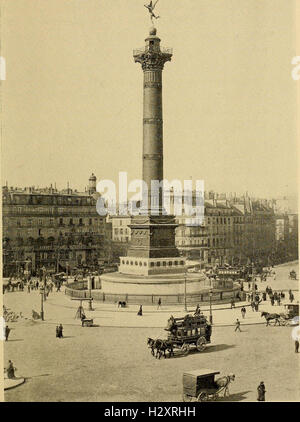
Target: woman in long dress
x=10 y=370
x=140 y=312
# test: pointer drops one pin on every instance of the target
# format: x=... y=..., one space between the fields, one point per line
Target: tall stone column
x=152 y=58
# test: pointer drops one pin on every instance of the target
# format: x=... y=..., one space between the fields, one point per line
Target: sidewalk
x=59 y=308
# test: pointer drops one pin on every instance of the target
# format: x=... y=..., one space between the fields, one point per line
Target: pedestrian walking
x=296 y=346
x=237 y=325
x=272 y=300
x=261 y=390
x=264 y=296
x=7 y=331
x=232 y=304
x=140 y=312
x=159 y=303
x=10 y=370
x=243 y=312
x=291 y=298
x=60 y=331
x=28 y=287
x=278 y=300
x=253 y=305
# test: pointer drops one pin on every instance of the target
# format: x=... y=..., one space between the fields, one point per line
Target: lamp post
x=185 y=307
x=210 y=310
x=42 y=303
x=90 y=292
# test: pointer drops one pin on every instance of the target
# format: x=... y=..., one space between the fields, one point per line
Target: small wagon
x=293 y=275
x=87 y=322
x=200 y=385
x=290 y=314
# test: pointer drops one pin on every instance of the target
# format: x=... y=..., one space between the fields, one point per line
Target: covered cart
x=200 y=385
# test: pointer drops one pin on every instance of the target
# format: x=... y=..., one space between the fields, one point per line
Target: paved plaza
x=111 y=362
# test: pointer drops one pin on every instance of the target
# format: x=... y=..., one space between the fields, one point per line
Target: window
x=158 y=264
x=164 y=263
x=181 y=262
x=71 y=222
x=90 y=221
x=61 y=221
x=80 y=222
x=151 y=264
x=18 y=223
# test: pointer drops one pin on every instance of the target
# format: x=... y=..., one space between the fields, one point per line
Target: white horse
x=223 y=383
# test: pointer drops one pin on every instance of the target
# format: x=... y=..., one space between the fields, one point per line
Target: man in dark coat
x=60 y=331
x=261 y=390
x=7 y=331
x=296 y=346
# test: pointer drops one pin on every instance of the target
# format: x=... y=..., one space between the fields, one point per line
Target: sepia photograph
x=149 y=166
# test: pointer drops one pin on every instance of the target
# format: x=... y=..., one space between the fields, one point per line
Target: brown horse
x=269 y=317
x=159 y=347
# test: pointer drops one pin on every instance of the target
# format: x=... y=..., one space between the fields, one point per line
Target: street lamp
x=210 y=310
x=42 y=303
x=185 y=307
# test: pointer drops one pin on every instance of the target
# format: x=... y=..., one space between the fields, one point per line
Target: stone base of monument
x=162 y=284
x=13 y=382
x=146 y=290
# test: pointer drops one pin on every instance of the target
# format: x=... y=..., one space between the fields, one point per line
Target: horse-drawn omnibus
x=189 y=330
x=183 y=332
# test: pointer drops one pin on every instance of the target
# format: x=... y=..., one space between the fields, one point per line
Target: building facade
x=235 y=230
x=56 y=230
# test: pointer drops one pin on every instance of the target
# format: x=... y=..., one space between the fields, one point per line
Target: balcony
x=164 y=50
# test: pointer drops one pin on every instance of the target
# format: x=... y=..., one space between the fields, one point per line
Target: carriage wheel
x=202 y=397
x=186 y=398
x=185 y=348
x=201 y=344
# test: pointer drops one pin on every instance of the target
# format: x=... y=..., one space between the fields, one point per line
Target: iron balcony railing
x=164 y=50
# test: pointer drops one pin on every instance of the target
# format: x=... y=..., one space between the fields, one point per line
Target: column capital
x=152 y=60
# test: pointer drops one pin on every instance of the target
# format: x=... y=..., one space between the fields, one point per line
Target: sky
x=72 y=98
